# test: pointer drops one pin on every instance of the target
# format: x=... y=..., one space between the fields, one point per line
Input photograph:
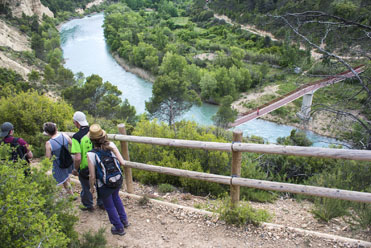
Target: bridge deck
x=293 y=95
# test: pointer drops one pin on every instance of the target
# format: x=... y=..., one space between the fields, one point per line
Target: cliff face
x=12 y=38
x=29 y=7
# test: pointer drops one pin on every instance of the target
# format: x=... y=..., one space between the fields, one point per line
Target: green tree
x=208 y=86
x=98 y=99
x=11 y=82
x=173 y=63
x=295 y=139
x=170 y=98
x=127 y=112
x=225 y=114
x=49 y=74
x=37 y=44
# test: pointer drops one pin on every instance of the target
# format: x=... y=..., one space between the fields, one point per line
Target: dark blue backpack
x=108 y=168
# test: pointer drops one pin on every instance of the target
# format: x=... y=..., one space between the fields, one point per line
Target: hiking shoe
x=84 y=208
x=101 y=207
x=120 y=232
x=125 y=223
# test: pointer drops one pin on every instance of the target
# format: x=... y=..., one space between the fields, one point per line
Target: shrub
x=362 y=217
x=327 y=209
x=32 y=214
x=249 y=169
x=93 y=240
x=187 y=159
x=27 y=111
x=241 y=214
x=348 y=175
x=166 y=188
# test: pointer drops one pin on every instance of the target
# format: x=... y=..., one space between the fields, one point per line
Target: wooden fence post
x=125 y=154
x=236 y=168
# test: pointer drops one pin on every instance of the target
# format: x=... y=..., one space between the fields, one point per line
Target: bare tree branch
x=322 y=50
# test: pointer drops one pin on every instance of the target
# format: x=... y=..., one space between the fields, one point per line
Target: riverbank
x=133 y=69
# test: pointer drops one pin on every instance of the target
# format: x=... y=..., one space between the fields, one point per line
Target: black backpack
x=18 y=151
x=65 y=158
x=108 y=168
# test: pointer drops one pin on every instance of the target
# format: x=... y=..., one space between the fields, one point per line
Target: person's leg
x=112 y=213
x=120 y=207
x=86 y=196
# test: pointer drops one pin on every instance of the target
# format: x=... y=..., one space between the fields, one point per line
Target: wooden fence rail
x=363 y=155
x=260 y=184
x=236 y=147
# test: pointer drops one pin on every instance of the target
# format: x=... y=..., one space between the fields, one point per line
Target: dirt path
x=159 y=225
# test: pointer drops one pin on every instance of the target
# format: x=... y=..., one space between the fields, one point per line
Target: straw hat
x=96 y=132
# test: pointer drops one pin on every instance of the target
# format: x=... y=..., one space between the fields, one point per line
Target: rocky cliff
x=29 y=7
x=11 y=37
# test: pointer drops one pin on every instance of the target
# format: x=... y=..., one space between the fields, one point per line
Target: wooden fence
x=236 y=148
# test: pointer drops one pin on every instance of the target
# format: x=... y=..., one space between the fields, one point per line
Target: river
x=85 y=50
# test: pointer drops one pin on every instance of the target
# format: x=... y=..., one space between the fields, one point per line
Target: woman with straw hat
x=110 y=196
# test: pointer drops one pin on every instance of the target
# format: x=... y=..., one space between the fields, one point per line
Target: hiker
x=21 y=148
x=108 y=191
x=53 y=148
x=80 y=146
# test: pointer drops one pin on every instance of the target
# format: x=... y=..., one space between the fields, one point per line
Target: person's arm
x=68 y=138
x=118 y=155
x=48 y=150
x=29 y=154
x=76 y=150
x=91 y=175
x=22 y=142
x=77 y=161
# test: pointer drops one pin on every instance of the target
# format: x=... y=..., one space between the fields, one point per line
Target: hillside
x=13 y=40
x=28 y=7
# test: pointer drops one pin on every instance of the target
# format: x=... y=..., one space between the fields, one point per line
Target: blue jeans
x=115 y=210
x=86 y=196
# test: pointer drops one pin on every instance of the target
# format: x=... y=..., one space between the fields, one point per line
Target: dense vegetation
x=65 y=5
x=257 y=12
x=168 y=41
x=172 y=42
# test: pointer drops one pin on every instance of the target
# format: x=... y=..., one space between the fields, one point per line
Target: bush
x=93 y=240
x=362 y=217
x=242 y=214
x=350 y=175
x=32 y=214
x=327 y=209
x=187 y=159
x=27 y=111
x=166 y=188
x=250 y=169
